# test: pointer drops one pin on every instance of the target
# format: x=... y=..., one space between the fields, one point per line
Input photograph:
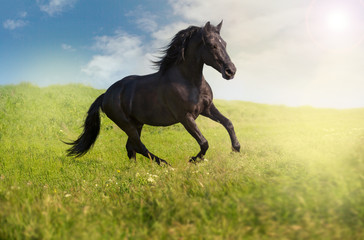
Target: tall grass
x=299 y=175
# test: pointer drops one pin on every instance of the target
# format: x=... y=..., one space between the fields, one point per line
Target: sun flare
x=338 y=21
x=336 y=25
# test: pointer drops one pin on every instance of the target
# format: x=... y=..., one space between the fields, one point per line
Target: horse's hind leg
x=130 y=150
x=134 y=144
x=129 y=146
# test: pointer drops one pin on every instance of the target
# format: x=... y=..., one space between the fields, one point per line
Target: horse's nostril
x=229 y=72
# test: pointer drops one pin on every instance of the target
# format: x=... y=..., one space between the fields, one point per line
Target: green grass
x=299 y=174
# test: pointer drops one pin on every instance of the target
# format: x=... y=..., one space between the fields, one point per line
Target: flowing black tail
x=90 y=131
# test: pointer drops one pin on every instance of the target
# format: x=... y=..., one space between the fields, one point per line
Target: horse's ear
x=207 y=27
x=219 y=26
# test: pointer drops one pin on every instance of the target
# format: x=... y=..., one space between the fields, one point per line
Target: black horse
x=178 y=92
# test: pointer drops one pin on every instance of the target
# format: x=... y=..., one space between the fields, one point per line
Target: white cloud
x=147 y=24
x=12 y=24
x=145 y=20
x=67 y=47
x=23 y=14
x=119 y=55
x=164 y=35
x=123 y=54
x=54 y=7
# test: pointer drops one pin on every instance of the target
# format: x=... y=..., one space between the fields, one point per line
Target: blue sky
x=286 y=52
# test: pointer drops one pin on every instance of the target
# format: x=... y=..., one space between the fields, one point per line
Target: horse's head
x=214 y=53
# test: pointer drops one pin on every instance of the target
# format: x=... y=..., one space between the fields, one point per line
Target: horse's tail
x=90 y=132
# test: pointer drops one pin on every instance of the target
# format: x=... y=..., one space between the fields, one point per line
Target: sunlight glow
x=338 y=21
x=336 y=25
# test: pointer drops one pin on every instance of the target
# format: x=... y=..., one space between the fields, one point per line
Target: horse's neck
x=191 y=68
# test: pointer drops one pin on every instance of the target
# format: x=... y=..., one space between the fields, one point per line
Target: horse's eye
x=214 y=46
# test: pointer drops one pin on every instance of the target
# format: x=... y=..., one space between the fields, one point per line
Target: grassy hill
x=299 y=175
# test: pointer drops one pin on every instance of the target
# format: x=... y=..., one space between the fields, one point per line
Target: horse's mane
x=174 y=52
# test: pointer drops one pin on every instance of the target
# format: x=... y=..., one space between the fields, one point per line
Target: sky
x=294 y=53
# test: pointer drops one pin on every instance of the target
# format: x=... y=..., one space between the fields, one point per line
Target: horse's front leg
x=214 y=114
x=190 y=125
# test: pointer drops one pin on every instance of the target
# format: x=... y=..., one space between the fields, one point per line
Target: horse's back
x=139 y=98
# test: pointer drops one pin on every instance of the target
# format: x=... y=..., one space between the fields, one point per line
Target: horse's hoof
x=165 y=163
x=192 y=160
x=236 y=148
x=195 y=160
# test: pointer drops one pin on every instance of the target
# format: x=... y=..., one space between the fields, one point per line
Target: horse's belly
x=155 y=117
x=163 y=123
x=152 y=112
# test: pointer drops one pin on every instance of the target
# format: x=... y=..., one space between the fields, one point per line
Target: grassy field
x=300 y=174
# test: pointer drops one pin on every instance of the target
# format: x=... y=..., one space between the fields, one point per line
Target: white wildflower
x=151 y=180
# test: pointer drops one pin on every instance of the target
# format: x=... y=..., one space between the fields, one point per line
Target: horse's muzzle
x=228 y=71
